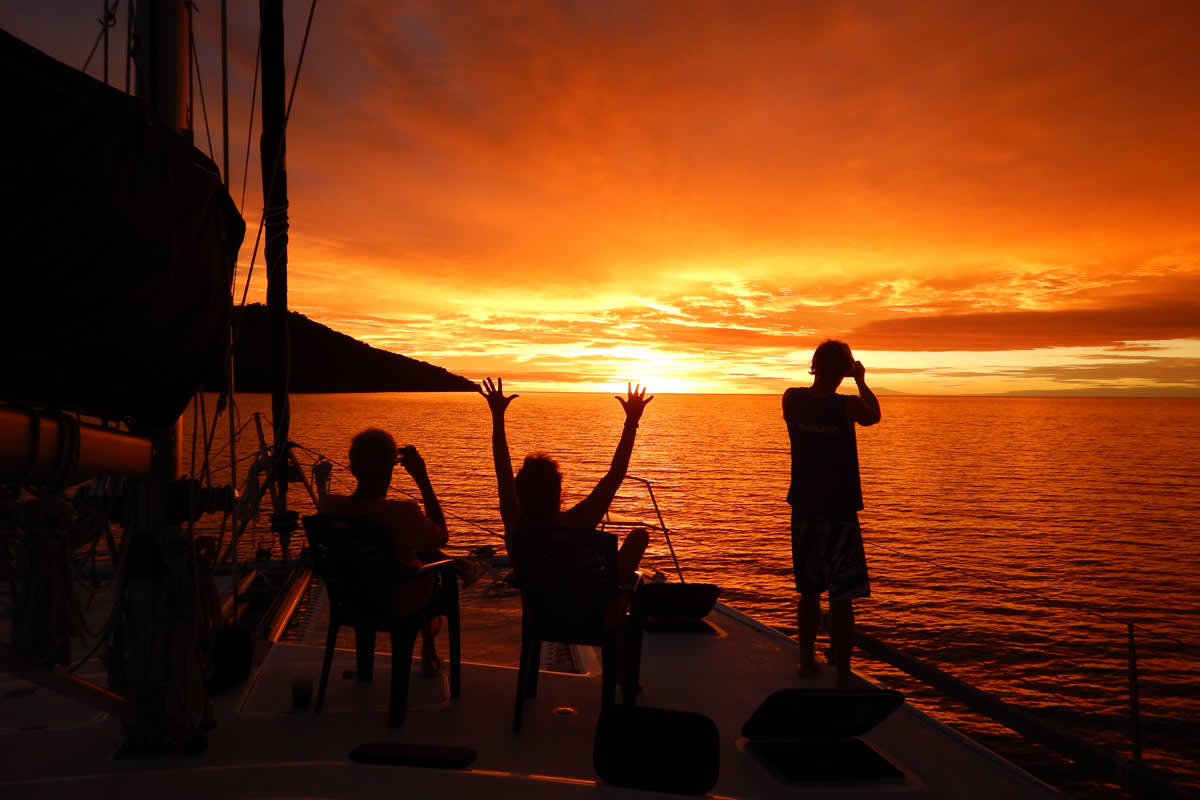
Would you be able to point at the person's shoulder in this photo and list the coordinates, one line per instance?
(793, 394)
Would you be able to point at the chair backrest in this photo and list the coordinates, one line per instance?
(356, 559)
(568, 577)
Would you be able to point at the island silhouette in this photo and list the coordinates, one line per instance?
(325, 361)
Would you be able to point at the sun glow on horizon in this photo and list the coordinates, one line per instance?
(484, 188)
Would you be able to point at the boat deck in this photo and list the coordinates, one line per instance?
(265, 745)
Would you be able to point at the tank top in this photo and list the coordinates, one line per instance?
(825, 478)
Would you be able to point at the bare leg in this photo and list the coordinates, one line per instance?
(808, 616)
(841, 634)
(430, 663)
(630, 554)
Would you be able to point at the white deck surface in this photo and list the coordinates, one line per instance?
(263, 747)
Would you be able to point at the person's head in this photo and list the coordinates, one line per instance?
(372, 456)
(539, 488)
(832, 360)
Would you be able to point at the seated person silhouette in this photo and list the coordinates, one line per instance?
(373, 455)
(532, 500)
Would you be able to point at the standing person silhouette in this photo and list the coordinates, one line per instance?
(533, 498)
(826, 496)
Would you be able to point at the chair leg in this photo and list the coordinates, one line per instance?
(608, 673)
(364, 650)
(525, 663)
(520, 701)
(633, 660)
(330, 644)
(535, 668)
(403, 642)
(454, 619)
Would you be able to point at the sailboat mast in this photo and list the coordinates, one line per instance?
(273, 150)
(162, 58)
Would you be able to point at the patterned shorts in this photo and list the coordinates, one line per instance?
(828, 556)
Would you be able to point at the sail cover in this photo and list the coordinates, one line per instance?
(118, 242)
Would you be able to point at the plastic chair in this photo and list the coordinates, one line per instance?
(356, 560)
(569, 584)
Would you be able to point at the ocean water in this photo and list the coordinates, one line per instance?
(1011, 541)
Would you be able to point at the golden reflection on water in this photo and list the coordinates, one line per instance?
(1010, 540)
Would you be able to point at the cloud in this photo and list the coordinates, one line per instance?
(1032, 329)
(571, 189)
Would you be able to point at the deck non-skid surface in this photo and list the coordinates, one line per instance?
(265, 745)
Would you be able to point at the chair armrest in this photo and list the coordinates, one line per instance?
(634, 584)
(432, 566)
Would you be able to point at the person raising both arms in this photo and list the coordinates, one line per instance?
(533, 499)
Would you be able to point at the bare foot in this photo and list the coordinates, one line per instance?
(431, 664)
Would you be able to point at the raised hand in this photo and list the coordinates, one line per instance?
(635, 403)
(494, 394)
(858, 372)
(411, 460)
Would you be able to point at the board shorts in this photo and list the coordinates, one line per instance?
(828, 556)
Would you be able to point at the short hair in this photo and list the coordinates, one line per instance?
(832, 358)
(372, 454)
(539, 488)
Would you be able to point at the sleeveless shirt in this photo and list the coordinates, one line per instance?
(825, 478)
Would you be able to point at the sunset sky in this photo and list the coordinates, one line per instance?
(978, 197)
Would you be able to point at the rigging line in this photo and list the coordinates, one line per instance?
(107, 21)
(287, 116)
(195, 60)
(1044, 595)
(128, 43)
(406, 492)
(250, 131)
(1186, 645)
(211, 434)
(974, 575)
(206, 474)
(269, 188)
(237, 433)
(1043, 693)
(188, 6)
(225, 94)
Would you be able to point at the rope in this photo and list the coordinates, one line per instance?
(287, 116)
(195, 60)
(1072, 703)
(407, 493)
(224, 94)
(250, 132)
(107, 21)
(1060, 597)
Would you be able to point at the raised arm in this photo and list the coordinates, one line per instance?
(498, 404)
(866, 411)
(591, 510)
(414, 464)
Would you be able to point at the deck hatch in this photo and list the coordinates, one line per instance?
(813, 734)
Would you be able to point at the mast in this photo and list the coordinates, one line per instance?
(156, 657)
(273, 150)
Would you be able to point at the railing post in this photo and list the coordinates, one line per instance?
(1134, 711)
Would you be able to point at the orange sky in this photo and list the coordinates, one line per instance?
(977, 197)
